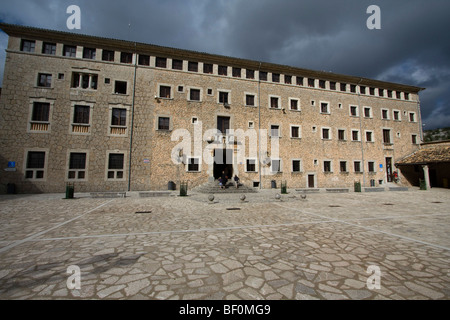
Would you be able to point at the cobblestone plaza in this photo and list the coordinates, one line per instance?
(190, 248)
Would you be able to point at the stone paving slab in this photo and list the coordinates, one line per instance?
(191, 249)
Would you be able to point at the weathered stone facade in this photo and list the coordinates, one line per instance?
(64, 112)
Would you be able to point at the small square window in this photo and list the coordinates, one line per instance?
(70, 51)
(120, 87)
(49, 48)
(126, 57)
(193, 66)
(251, 165)
(144, 60)
(108, 55)
(194, 165)
(324, 108)
(296, 166)
(89, 53)
(237, 72)
(44, 80)
(177, 64)
(207, 68)
(161, 62)
(28, 46)
(327, 166)
(250, 100)
(250, 74)
(164, 123)
(194, 95)
(223, 70)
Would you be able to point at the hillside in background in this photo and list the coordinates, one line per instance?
(437, 135)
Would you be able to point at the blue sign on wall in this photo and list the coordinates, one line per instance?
(11, 164)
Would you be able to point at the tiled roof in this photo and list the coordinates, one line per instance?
(433, 154)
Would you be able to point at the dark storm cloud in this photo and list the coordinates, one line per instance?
(412, 46)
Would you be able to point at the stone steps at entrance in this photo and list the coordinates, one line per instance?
(213, 187)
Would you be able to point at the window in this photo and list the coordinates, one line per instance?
(322, 84)
(276, 77)
(414, 139)
(354, 111)
(81, 115)
(177, 64)
(300, 81)
(362, 89)
(369, 136)
(223, 97)
(119, 117)
(250, 74)
(209, 92)
(84, 81)
(40, 117)
(263, 75)
(353, 88)
(49, 48)
(165, 92)
(386, 136)
(294, 104)
(389, 93)
(223, 70)
(77, 166)
(381, 92)
(161, 62)
(144, 60)
(324, 108)
(274, 102)
(295, 132)
(207, 68)
(237, 72)
(35, 167)
(194, 95)
(372, 91)
(396, 115)
(311, 83)
(164, 123)
(193, 66)
(355, 135)
(251, 125)
(108, 55)
(41, 112)
(89, 53)
(398, 94)
(327, 166)
(287, 79)
(250, 100)
(120, 87)
(406, 96)
(343, 166)
(251, 165)
(296, 166)
(194, 165)
(371, 166)
(28, 46)
(367, 112)
(412, 117)
(116, 166)
(333, 85)
(275, 166)
(70, 51)
(274, 130)
(357, 166)
(44, 80)
(341, 135)
(126, 57)
(326, 134)
(384, 114)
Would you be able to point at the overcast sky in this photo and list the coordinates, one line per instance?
(412, 47)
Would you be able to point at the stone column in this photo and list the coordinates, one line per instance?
(427, 176)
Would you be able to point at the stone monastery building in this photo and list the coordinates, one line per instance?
(113, 115)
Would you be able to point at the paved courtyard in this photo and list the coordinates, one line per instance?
(321, 247)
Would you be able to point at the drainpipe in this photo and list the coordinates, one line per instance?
(259, 127)
(132, 117)
(361, 132)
